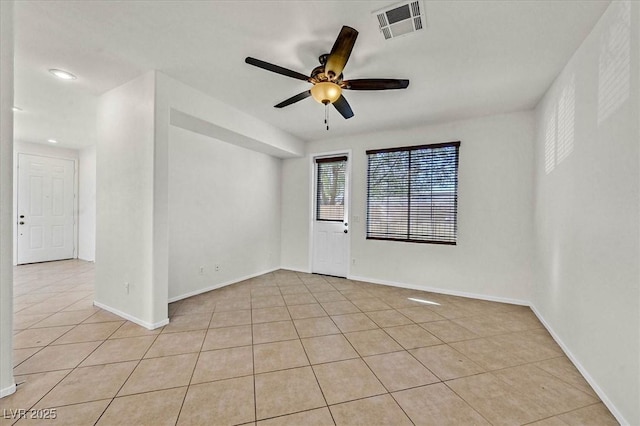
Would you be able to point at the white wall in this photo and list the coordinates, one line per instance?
(587, 209)
(212, 117)
(133, 223)
(45, 151)
(224, 209)
(87, 205)
(493, 256)
(124, 202)
(296, 213)
(7, 383)
(199, 117)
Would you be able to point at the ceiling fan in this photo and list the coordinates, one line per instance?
(327, 78)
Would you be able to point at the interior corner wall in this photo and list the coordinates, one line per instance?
(492, 258)
(587, 209)
(124, 200)
(7, 382)
(224, 209)
(222, 206)
(87, 205)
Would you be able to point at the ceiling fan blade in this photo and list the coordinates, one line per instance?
(294, 99)
(340, 52)
(275, 68)
(343, 107)
(376, 84)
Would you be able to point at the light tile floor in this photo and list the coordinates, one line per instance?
(288, 348)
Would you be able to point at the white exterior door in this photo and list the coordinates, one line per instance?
(46, 209)
(330, 213)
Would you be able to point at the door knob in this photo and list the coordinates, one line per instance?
(21, 216)
(346, 231)
(21, 222)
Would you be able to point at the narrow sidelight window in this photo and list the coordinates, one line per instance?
(330, 188)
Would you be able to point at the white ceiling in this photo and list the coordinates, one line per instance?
(473, 58)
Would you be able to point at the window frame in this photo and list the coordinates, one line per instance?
(409, 149)
(317, 162)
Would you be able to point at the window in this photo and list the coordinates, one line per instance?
(330, 181)
(412, 193)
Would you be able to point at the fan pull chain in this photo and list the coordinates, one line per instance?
(326, 114)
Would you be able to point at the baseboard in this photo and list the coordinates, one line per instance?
(441, 290)
(145, 324)
(8, 391)
(291, 268)
(219, 285)
(601, 394)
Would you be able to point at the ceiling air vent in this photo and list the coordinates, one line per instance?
(400, 19)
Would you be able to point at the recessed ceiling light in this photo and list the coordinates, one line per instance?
(52, 141)
(16, 109)
(64, 75)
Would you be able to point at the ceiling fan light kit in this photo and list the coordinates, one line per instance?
(326, 92)
(327, 79)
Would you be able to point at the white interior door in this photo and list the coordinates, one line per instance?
(330, 226)
(45, 209)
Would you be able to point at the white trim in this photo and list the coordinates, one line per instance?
(312, 192)
(8, 391)
(294, 269)
(441, 291)
(597, 389)
(347, 213)
(145, 324)
(216, 286)
(76, 207)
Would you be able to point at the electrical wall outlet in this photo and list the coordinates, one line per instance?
(201, 270)
(126, 287)
(217, 268)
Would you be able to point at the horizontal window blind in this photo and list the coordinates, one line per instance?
(330, 181)
(412, 193)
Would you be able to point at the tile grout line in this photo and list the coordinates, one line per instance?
(253, 363)
(65, 376)
(66, 344)
(465, 401)
(195, 365)
(360, 357)
(402, 350)
(312, 370)
(128, 377)
(389, 392)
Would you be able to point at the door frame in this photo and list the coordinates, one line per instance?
(312, 202)
(76, 201)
